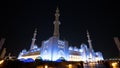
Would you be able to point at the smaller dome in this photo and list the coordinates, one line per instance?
(70, 48)
(80, 50)
(24, 50)
(35, 46)
(83, 46)
(76, 49)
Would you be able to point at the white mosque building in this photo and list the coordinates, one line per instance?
(54, 48)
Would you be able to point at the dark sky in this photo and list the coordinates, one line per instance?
(19, 18)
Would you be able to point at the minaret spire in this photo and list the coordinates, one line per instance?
(56, 23)
(91, 56)
(89, 41)
(33, 39)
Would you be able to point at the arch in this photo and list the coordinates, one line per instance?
(61, 53)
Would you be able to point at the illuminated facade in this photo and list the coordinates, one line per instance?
(54, 48)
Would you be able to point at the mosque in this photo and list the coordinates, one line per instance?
(54, 48)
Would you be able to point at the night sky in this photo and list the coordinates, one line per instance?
(100, 17)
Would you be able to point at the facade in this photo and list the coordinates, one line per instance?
(55, 49)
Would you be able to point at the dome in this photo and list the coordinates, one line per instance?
(83, 46)
(80, 50)
(24, 50)
(35, 46)
(70, 48)
(76, 49)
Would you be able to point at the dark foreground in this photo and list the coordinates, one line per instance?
(63, 64)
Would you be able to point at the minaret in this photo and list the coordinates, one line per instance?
(117, 42)
(33, 39)
(91, 56)
(89, 41)
(2, 43)
(3, 53)
(56, 24)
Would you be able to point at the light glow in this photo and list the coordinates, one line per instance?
(70, 66)
(61, 42)
(26, 57)
(46, 66)
(75, 58)
(1, 61)
(114, 64)
(97, 59)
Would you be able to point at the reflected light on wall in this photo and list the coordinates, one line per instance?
(97, 59)
(74, 58)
